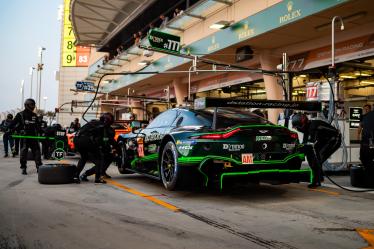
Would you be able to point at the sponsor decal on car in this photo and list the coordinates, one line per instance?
(185, 147)
(186, 142)
(233, 147)
(263, 138)
(154, 137)
(247, 158)
(289, 146)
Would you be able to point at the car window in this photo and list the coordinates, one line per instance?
(188, 118)
(164, 119)
(227, 117)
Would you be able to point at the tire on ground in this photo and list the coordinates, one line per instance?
(179, 177)
(56, 173)
(357, 176)
(124, 164)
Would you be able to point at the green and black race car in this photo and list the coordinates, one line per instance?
(214, 145)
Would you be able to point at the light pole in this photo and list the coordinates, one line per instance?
(333, 38)
(40, 69)
(31, 73)
(45, 102)
(22, 92)
(332, 67)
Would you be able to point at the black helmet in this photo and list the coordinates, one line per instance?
(299, 121)
(30, 104)
(107, 118)
(9, 116)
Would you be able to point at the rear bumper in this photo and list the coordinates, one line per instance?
(276, 171)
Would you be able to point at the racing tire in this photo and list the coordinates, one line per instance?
(357, 174)
(56, 173)
(124, 164)
(170, 171)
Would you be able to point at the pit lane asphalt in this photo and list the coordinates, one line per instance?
(125, 215)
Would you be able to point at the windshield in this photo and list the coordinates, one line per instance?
(228, 117)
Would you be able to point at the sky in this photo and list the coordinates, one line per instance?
(26, 25)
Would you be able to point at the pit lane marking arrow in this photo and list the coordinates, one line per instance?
(368, 235)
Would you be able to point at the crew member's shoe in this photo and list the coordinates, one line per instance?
(105, 175)
(314, 185)
(24, 172)
(6, 155)
(100, 180)
(76, 180)
(83, 178)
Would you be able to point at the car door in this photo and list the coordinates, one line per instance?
(153, 135)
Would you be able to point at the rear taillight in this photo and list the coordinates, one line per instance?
(218, 135)
(294, 135)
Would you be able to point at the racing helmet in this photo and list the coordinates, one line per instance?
(299, 121)
(107, 118)
(30, 104)
(9, 116)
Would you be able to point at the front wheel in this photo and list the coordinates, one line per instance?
(169, 168)
(124, 164)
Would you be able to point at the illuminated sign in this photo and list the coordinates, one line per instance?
(72, 56)
(164, 41)
(355, 114)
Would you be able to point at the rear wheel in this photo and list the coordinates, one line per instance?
(124, 164)
(170, 170)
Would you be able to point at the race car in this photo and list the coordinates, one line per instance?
(214, 145)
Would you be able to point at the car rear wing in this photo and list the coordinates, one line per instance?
(311, 106)
(202, 103)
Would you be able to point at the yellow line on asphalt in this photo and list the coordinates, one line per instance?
(324, 191)
(368, 235)
(317, 190)
(145, 196)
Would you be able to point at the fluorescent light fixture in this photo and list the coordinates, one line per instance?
(348, 77)
(260, 91)
(302, 76)
(220, 25)
(362, 74)
(144, 63)
(368, 82)
(243, 87)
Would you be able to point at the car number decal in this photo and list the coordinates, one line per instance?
(247, 158)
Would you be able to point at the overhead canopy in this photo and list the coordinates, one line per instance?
(97, 21)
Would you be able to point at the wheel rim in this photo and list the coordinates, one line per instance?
(168, 165)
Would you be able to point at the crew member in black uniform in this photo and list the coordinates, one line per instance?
(7, 137)
(367, 140)
(320, 141)
(94, 142)
(27, 123)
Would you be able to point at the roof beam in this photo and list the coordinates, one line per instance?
(97, 13)
(171, 27)
(93, 18)
(95, 25)
(195, 16)
(223, 1)
(116, 8)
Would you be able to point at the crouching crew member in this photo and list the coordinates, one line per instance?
(320, 141)
(94, 142)
(27, 123)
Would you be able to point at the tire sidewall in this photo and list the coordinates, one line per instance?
(123, 165)
(173, 183)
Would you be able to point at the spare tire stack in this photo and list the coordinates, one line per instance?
(56, 173)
